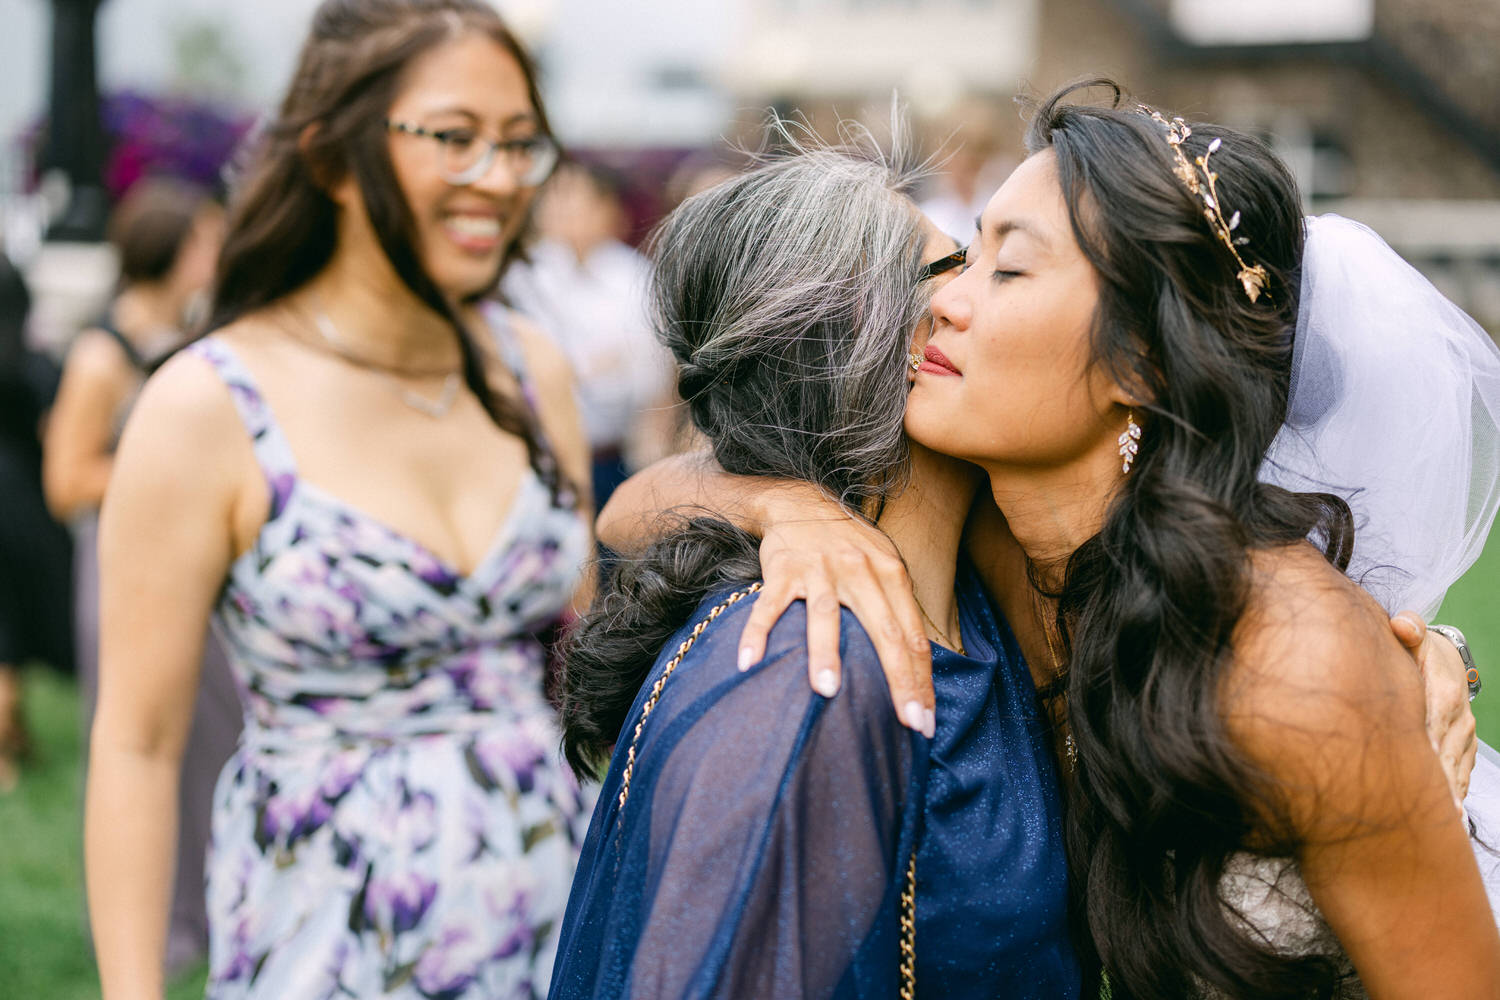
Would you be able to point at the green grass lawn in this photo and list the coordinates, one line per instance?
(1471, 605)
(44, 951)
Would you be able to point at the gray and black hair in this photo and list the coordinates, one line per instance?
(788, 296)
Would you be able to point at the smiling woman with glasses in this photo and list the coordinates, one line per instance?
(375, 482)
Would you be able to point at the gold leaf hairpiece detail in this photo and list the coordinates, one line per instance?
(1203, 183)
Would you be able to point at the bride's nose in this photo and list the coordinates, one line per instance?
(950, 306)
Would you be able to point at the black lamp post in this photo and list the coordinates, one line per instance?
(75, 142)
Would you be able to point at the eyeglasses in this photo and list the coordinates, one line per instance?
(943, 264)
(464, 156)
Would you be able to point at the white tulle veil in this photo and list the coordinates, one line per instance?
(1395, 406)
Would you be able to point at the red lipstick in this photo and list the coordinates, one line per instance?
(935, 362)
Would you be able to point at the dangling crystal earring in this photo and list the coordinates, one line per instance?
(1130, 442)
(916, 361)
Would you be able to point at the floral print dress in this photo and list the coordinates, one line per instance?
(397, 820)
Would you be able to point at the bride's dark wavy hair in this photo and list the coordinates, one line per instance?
(1149, 605)
(283, 227)
(788, 296)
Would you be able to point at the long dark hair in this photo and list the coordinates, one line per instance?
(788, 296)
(282, 225)
(1149, 606)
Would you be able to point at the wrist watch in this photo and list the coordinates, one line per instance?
(1471, 672)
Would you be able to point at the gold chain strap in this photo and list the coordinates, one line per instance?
(909, 931)
(908, 893)
(661, 682)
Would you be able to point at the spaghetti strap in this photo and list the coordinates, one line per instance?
(136, 359)
(504, 335)
(271, 449)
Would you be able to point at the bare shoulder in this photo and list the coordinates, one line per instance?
(260, 341)
(551, 375)
(94, 355)
(546, 363)
(1299, 607)
(1317, 672)
(187, 406)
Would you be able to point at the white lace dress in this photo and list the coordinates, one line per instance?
(1274, 901)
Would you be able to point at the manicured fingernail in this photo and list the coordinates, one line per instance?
(913, 716)
(747, 658)
(826, 683)
(929, 723)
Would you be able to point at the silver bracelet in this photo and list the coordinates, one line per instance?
(1471, 672)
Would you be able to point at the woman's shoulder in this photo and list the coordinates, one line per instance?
(97, 355)
(1317, 672)
(1305, 618)
(544, 361)
(188, 401)
(186, 389)
(781, 677)
(763, 728)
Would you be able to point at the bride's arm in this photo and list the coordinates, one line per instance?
(812, 549)
(1325, 703)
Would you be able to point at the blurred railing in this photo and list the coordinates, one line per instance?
(1444, 57)
(1440, 55)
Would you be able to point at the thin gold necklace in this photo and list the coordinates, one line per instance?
(434, 408)
(1070, 748)
(958, 646)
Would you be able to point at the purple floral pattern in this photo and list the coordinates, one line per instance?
(397, 821)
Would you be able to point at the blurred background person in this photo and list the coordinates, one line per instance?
(373, 481)
(34, 551)
(587, 288)
(974, 161)
(167, 235)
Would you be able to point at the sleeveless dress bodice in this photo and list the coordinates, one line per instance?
(396, 820)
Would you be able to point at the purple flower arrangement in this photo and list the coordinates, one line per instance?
(178, 136)
(172, 136)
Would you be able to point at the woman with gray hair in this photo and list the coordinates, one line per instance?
(753, 837)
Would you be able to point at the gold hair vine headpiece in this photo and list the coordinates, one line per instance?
(1204, 187)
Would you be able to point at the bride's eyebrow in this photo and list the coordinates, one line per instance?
(1006, 227)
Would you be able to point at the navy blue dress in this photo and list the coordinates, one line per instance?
(762, 848)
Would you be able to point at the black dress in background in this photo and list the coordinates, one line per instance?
(36, 591)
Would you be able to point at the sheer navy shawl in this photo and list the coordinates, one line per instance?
(762, 848)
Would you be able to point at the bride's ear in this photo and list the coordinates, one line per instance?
(1132, 389)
